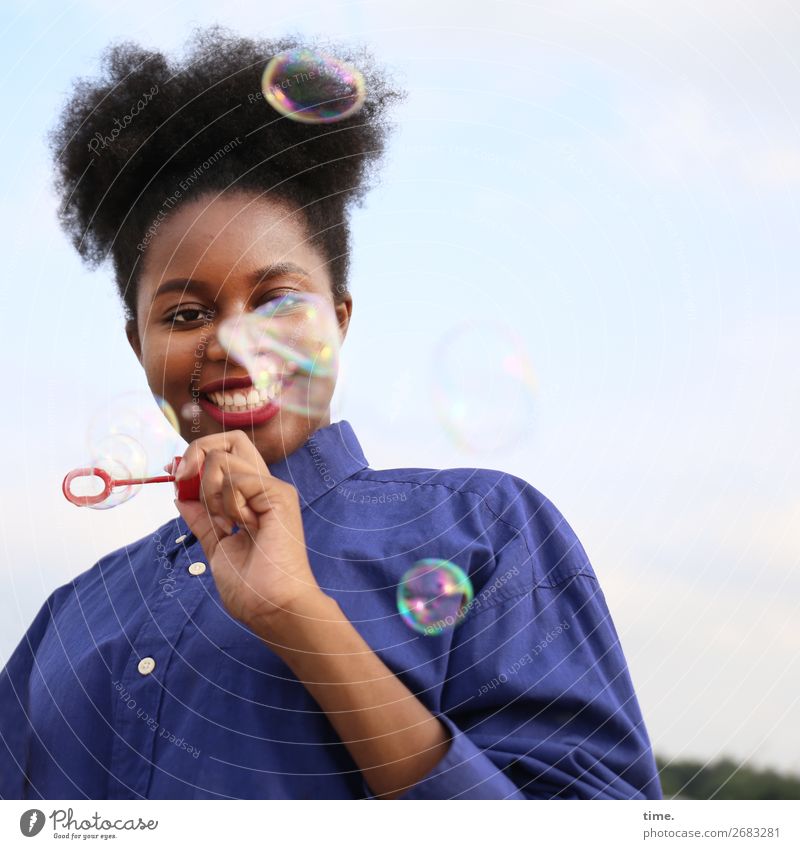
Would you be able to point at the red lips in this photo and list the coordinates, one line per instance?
(237, 420)
(226, 383)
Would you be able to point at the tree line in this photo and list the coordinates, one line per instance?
(724, 779)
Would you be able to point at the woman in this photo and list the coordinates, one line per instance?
(251, 646)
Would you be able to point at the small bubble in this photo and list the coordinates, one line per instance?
(311, 87)
(433, 596)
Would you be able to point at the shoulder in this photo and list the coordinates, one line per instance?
(509, 498)
(482, 483)
(523, 523)
(112, 573)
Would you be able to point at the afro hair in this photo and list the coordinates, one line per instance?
(151, 132)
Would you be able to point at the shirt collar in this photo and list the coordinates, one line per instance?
(329, 457)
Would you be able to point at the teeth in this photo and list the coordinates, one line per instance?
(239, 402)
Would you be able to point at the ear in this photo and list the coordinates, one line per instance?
(132, 332)
(344, 309)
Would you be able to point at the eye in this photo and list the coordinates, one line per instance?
(190, 315)
(280, 302)
(276, 295)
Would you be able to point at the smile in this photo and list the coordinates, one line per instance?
(244, 401)
(235, 402)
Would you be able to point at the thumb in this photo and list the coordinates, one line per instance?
(196, 516)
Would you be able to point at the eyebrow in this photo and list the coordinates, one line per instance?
(261, 275)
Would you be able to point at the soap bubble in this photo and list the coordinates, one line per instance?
(168, 412)
(290, 347)
(484, 386)
(123, 458)
(434, 596)
(129, 439)
(311, 87)
(191, 411)
(147, 422)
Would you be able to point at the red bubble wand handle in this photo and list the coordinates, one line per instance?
(187, 490)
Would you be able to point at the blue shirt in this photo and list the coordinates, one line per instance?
(134, 682)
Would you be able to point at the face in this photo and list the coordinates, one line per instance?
(213, 259)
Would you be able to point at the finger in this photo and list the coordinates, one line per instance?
(201, 524)
(234, 442)
(217, 466)
(235, 505)
(265, 494)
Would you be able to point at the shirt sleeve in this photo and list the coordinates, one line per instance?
(538, 699)
(15, 728)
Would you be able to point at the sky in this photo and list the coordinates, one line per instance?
(613, 184)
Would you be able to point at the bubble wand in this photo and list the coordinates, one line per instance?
(187, 490)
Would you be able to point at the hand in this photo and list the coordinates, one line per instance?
(262, 569)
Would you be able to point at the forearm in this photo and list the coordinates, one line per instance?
(393, 738)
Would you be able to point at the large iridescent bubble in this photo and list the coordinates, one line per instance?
(484, 387)
(434, 596)
(311, 87)
(289, 346)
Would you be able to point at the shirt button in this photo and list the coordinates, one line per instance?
(146, 665)
(181, 538)
(197, 568)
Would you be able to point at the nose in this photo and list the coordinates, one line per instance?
(214, 351)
